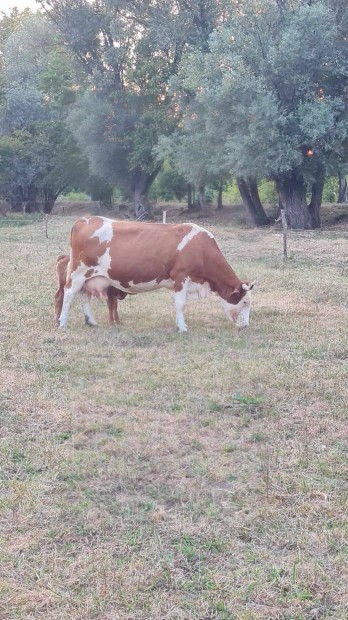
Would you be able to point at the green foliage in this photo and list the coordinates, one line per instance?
(73, 196)
(330, 193)
(169, 184)
(39, 155)
(267, 99)
(266, 189)
(118, 120)
(213, 91)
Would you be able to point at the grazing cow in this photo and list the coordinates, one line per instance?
(136, 257)
(112, 294)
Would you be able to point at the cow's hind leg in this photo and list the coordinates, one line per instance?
(112, 305)
(85, 299)
(71, 289)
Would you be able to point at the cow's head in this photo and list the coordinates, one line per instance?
(238, 303)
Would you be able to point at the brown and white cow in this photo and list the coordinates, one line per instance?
(112, 294)
(136, 257)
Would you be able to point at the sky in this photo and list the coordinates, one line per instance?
(7, 5)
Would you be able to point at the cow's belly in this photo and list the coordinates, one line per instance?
(144, 287)
(98, 284)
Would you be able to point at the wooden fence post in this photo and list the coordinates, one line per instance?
(285, 234)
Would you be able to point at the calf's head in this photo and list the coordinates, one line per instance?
(237, 304)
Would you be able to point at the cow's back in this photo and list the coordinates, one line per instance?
(130, 251)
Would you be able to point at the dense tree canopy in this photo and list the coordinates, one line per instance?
(39, 155)
(251, 89)
(129, 51)
(270, 100)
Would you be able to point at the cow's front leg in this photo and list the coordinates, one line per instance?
(85, 299)
(180, 300)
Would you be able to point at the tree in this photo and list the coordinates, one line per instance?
(129, 51)
(39, 155)
(274, 93)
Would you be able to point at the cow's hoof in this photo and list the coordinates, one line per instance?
(90, 323)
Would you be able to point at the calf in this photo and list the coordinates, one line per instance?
(112, 294)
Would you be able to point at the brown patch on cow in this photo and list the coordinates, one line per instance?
(236, 295)
(89, 273)
(156, 251)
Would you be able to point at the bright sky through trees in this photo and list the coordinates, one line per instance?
(7, 5)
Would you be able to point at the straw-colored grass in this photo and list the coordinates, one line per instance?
(151, 475)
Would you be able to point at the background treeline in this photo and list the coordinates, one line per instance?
(170, 98)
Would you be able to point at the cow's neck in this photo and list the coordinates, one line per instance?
(221, 277)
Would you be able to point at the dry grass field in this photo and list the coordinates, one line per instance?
(151, 475)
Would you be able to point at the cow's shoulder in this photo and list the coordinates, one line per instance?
(193, 234)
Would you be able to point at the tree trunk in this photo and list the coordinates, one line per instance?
(263, 219)
(202, 200)
(24, 199)
(342, 188)
(251, 200)
(315, 203)
(292, 194)
(219, 196)
(142, 182)
(189, 196)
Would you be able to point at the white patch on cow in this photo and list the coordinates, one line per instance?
(195, 230)
(103, 264)
(198, 291)
(239, 313)
(105, 232)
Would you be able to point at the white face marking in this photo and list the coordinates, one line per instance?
(195, 230)
(105, 232)
(239, 313)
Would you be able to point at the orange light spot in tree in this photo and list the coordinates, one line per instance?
(309, 153)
